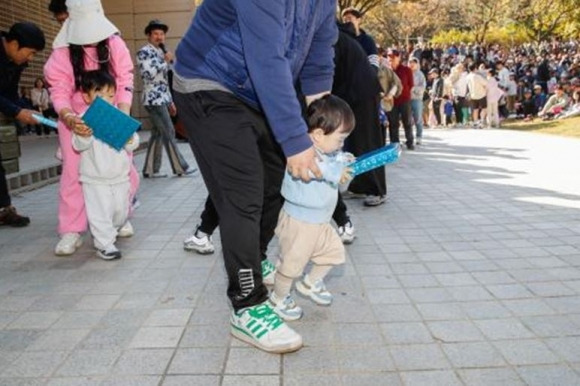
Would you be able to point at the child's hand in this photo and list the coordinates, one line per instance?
(130, 141)
(346, 176)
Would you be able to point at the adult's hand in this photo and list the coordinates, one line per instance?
(172, 109)
(169, 57)
(77, 125)
(299, 165)
(26, 116)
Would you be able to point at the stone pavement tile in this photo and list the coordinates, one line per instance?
(473, 355)
(198, 361)
(495, 329)
(157, 337)
(531, 275)
(526, 352)
(547, 262)
(58, 340)
(465, 256)
(108, 338)
(514, 265)
(6, 318)
(88, 363)
(133, 301)
(34, 364)
(78, 319)
(551, 326)
(364, 359)
(316, 380)
(409, 268)
(488, 377)
(191, 380)
(564, 305)
(55, 302)
(369, 379)
(387, 296)
(550, 289)
(248, 360)
(210, 335)
(494, 277)
(428, 295)
(123, 318)
(357, 334)
(31, 320)
(469, 294)
(548, 375)
(372, 282)
(509, 291)
(528, 307)
(434, 256)
(17, 340)
(373, 270)
(132, 381)
(251, 380)
(441, 311)
(24, 381)
(486, 310)
(567, 273)
(567, 348)
(419, 357)
(396, 313)
(97, 302)
(444, 267)
(405, 333)
(417, 281)
(430, 378)
(143, 362)
(455, 331)
(211, 315)
(311, 360)
(169, 317)
(455, 279)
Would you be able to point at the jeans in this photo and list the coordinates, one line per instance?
(417, 111)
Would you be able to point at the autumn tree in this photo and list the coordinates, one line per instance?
(542, 18)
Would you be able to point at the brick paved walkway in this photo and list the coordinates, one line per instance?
(470, 274)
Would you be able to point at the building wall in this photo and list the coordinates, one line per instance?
(130, 16)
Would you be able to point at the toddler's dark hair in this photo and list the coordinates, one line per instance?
(96, 81)
(329, 113)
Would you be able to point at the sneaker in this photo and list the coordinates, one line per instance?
(411, 147)
(418, 142)
(261, 327)
(110, 253)
(268, 272)
(187, 172)
(286, 308)
(374, 200)
(154, 175)
(68, 244)
(348, 195)
(126, 230)
(199, 242)
(346, 233)
(315, 291)
(9, 216)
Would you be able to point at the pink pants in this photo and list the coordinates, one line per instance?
(72, 217)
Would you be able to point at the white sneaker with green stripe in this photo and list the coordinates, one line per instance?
(261, 327)
(268, 272)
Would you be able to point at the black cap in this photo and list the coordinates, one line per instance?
(156, 24)
(352, 11)
(28, 35)
(393, 52)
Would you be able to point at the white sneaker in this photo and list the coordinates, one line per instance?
(286, 308)
(261, 327)
(374, 200)
(199, 242)
(418, 141)
(268, 272)
(315, 291)
(110, 253)
(126, 230)
(68, 244)
(346, 233)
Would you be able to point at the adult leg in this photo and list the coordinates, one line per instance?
(160, 115)
(417, 111)
(209, 217)
(153, 157)
(406, 118)
(394, 118)
(225, 136)
(437, 111)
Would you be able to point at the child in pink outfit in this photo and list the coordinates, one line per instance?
(84, 33)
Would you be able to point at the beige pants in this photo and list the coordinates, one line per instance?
(301, 242)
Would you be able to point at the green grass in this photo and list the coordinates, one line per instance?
(566, 127)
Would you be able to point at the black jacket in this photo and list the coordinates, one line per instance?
(9, 78)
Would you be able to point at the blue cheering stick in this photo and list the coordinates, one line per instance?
(45, 121)
(375, 159)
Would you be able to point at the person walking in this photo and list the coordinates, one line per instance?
(153, 60)
(17, 47)
(417, 93)
(402, 104)
(234, 82)
(87, 41)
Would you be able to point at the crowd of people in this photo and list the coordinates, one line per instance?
(276, 103)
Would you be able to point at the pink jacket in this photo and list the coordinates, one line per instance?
(494, 93)
(58, 72)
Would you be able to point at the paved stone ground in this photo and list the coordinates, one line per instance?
(470, 274)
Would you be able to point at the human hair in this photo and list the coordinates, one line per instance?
(97, 80)
(39, 79)
(57, 6)
(77, 59)
(352, 11)
(472, 67)
(28, 35)
(329, 113)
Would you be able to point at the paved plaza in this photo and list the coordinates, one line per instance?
(469, 275)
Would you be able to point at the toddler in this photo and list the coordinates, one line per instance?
(448, 110)
(304, 229)
(104, 173)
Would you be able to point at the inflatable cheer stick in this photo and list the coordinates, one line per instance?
(45, 121)
(376, 158)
